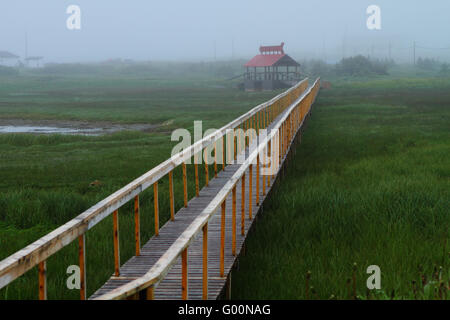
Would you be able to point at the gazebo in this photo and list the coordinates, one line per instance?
(271, 69)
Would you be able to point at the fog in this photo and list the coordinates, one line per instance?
(204, 30)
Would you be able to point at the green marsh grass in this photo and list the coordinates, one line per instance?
(45, 179)
(369, 183)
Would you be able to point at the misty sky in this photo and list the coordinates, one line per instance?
(187, 30)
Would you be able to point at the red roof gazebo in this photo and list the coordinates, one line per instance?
(271, 69)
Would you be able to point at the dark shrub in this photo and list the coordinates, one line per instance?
(361, 66)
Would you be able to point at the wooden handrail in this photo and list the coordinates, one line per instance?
(39, 251)
(169, 258)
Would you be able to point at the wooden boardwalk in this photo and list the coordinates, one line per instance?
(170, 287)
(193, 255)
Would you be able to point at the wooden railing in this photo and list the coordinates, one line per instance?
(39, 251)
(274, 146)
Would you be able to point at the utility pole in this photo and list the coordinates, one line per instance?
(414, 52)
(343, 48)
(324, 53)
(232, 49)
(26, 48)
(390, 51)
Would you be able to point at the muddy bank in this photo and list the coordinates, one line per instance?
(69, 127)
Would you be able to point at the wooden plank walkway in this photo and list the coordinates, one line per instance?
(156, 273)
(170, 287)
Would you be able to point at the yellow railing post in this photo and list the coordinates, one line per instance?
(264, 175)
(150, 293)
(233, 221)
(223, 153)
(171, 198)
(269, 151)
(243, 206)
(116, 243)
(184, 274)
(215, 159)
(185, 186)
(42, 270)
(205, 262)
(222, 240)
(156, 206)
(234, 144)
(197, 187)
(250, 192)
(206, 173)
(137, 227)
(257, 180)
(82, 260)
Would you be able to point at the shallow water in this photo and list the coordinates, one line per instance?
(49, 130)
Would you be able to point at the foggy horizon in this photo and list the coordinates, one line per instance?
(207, 30)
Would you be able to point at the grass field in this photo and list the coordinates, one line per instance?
(369, 184)
(45, 179)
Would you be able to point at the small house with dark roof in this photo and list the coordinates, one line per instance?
(8, 56)
(271, 69)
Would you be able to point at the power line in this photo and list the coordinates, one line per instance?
(429, 48)
(403, 48)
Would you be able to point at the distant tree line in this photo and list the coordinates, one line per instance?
(362, 66)
(427, 64)
(433, 65)
(359, 66)
(221, 69)
(356, 66)
(353, 66)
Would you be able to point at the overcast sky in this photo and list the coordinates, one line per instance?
(188, 30)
